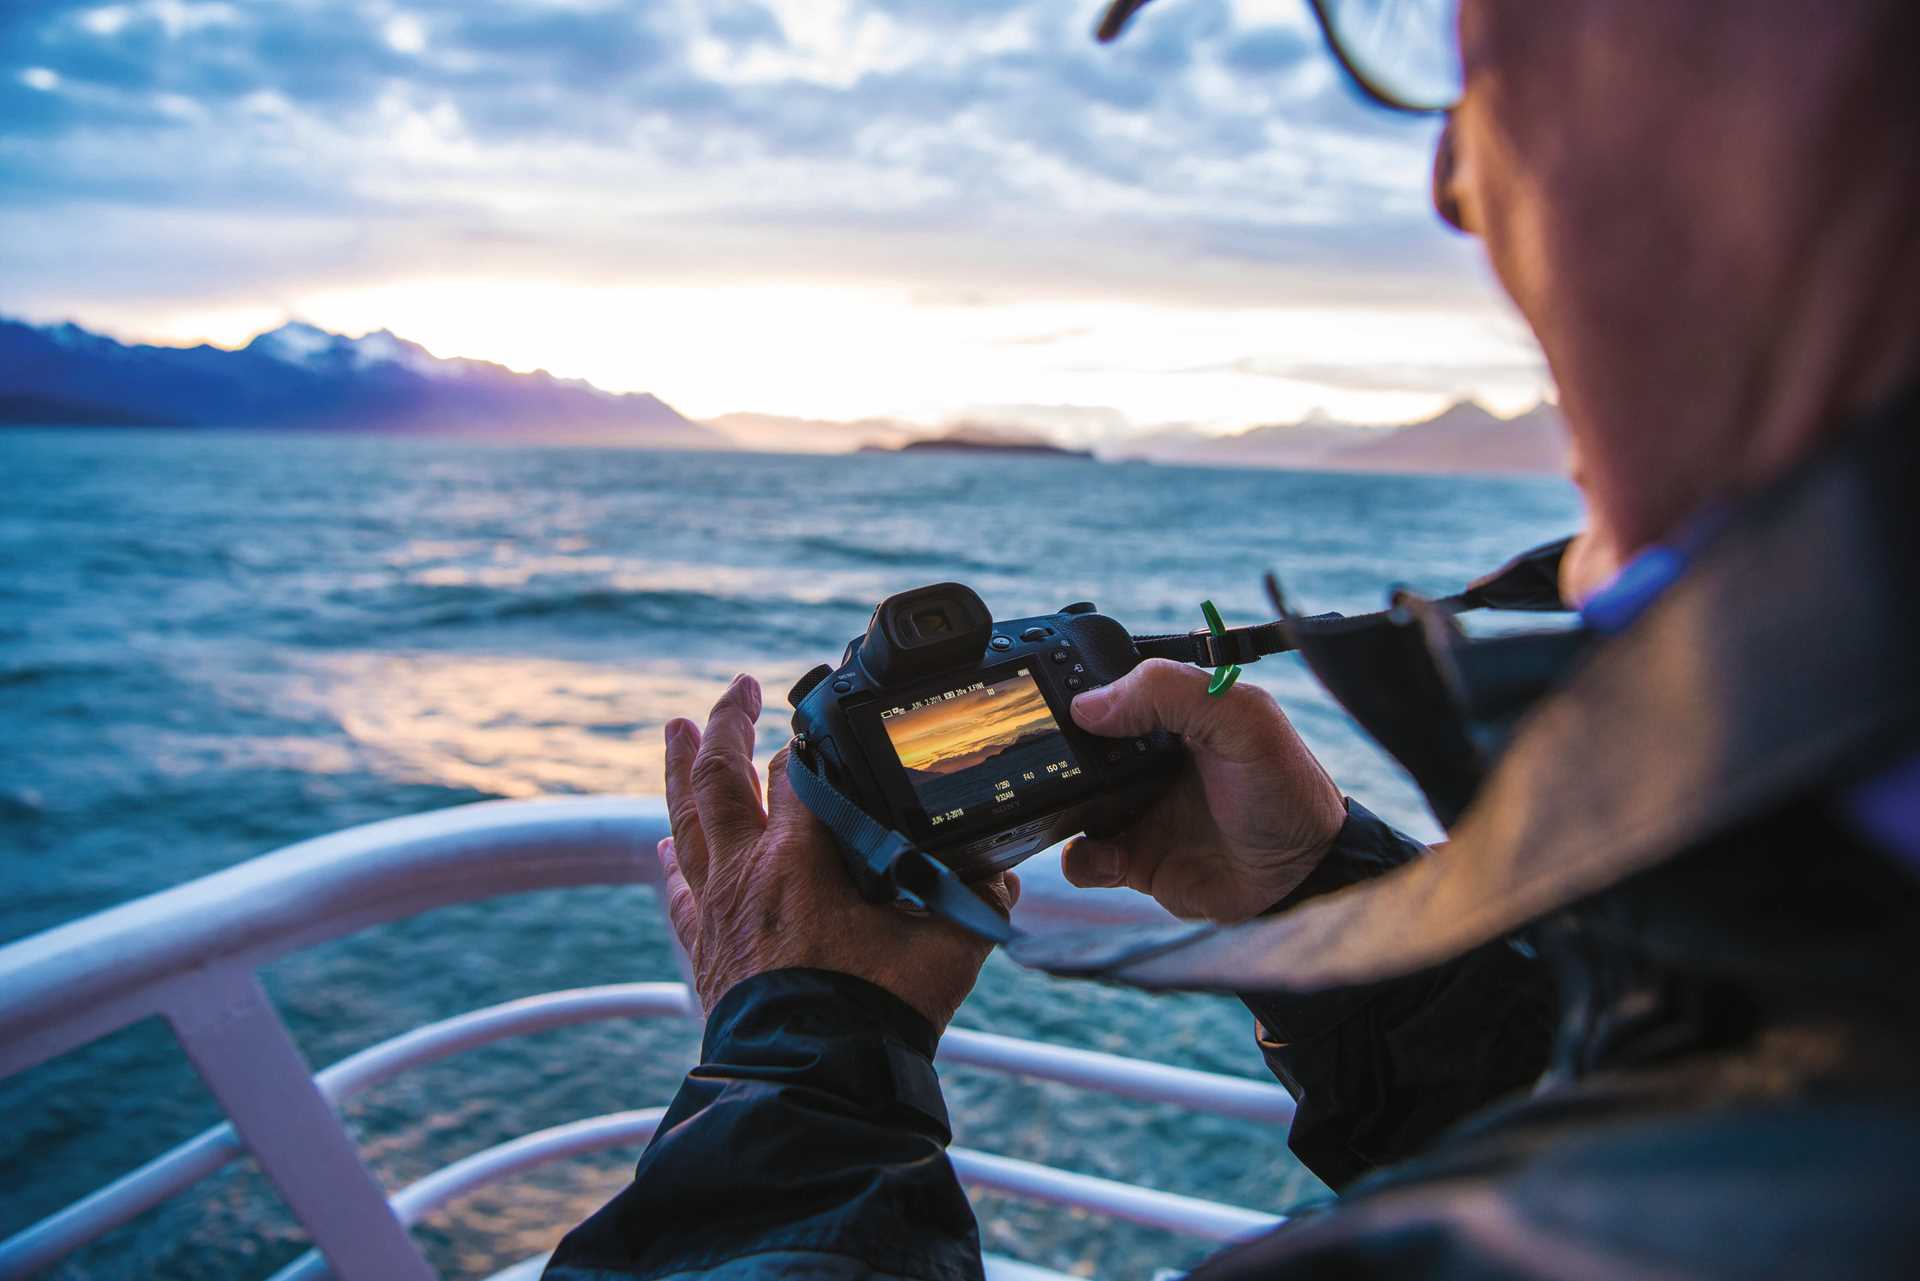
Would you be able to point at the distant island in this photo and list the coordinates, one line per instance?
(299, 376)
(1465, 438)
(973, 438)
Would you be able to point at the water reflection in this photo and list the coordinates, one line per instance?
(513, 726)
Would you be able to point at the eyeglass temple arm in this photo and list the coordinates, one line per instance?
(1118, 14)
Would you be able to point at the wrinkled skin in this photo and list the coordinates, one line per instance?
(752, 888)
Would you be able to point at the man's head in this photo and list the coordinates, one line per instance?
(1707, 211)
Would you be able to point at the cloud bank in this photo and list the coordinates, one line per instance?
(176, 168)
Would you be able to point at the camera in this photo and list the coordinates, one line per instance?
(952, 729)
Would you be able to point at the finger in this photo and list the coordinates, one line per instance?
(787, 815)
(726, 788)
(1094, 864)
(998, 892)
(1012, 880)
(1161, 694)
(690, 842)
(682, 907)
(1129, 862)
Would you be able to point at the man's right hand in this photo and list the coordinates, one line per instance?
(1251, 814)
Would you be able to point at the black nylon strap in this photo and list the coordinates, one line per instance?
(1530, 581)
(886, 865)
(1239, 645)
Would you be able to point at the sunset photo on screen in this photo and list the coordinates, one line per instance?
(975, 746)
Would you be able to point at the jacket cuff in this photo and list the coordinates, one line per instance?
(835, 1031)
(1366, 847)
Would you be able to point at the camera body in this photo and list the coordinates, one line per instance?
(953, 729)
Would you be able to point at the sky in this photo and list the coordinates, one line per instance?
(925, 209)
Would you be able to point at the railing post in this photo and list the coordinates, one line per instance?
(241, 1049)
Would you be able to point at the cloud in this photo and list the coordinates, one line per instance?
(1394, 376)
(692, 95)
(181, 151)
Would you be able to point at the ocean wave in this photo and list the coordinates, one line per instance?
(13, 675)
(654, 607)
(941, 561)
(494, 616)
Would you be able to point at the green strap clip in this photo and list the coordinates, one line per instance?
(1223, 677)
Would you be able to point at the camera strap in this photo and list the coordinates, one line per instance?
(1529, 582)
(887, 865)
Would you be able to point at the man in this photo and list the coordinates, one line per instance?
(1650, 1012)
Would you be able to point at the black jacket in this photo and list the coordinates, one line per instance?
(1683, 1129)
(1689, 1046)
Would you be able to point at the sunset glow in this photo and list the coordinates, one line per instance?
(816, 208)
(956, 734)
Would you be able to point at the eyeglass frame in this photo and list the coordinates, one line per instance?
(1373, 92)
(1120, 12)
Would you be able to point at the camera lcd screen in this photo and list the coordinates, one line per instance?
(983, 748)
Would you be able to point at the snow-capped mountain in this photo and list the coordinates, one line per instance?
(302, 376)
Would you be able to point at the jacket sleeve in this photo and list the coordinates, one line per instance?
(1379, 1070)
(809, 1143)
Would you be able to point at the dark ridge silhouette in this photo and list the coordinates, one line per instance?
(299, 376)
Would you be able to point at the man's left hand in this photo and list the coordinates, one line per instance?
(751, 889)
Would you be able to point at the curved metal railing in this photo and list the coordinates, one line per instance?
(190, 954)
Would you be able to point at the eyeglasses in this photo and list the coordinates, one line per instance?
(1403, 54)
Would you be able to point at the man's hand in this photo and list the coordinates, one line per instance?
(1250, 816)
(752, 889)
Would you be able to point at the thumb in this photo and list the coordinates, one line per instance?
(1161, 694)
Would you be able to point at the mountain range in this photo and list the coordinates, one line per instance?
(300, 376)
(961, 762)
(304, 377)
(1466, 437)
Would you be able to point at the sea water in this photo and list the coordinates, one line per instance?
(212, 645)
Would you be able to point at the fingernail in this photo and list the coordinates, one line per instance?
(1101, 864)
(664, 852)
(677, 731)
(1092, 705)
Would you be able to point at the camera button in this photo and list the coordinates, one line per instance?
(1061, 656)
(1036, 633)
(1001, 642)
(843, 686)
(1113, 756)
(1074, 682)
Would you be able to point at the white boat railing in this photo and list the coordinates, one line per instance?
(191, 955)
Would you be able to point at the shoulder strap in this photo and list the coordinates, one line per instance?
(1530, 581)
(1237, 645)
